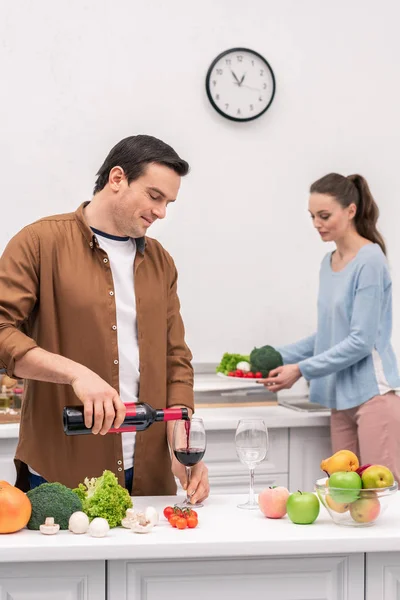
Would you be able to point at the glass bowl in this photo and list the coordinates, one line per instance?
(354, 508)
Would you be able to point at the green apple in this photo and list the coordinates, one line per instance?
(301, 508)
(344, 486)
(377, 476)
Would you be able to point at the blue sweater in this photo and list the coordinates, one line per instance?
(350, 358)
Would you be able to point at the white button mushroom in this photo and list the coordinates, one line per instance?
(138, 528)
(78, 522)
(151, 515)
(129, 519)
(49, 527)
(99, 527)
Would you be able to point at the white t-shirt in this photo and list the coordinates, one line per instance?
(121, 253)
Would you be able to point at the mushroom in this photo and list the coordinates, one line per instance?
(49, 527)
(138, 528)
(99, 527)
(145, 521)
(151, 515)
(78, 522)
(129, 519)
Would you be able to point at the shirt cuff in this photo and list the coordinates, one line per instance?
(13, 348)
(180, 393)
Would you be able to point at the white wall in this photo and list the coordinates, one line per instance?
(77, 76)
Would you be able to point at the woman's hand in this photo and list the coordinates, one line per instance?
(282, 378)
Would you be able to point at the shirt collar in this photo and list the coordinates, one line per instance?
(90, 236)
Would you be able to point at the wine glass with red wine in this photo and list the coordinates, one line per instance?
(189, 448)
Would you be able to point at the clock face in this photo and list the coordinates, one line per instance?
(240, 84)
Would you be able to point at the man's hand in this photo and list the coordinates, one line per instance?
(282, 378)
(100, 401)
(98, 398)
(199, 487)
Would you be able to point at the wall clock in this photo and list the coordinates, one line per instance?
(240, 84)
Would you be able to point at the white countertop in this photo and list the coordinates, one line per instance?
(223, 531)
(274, 417)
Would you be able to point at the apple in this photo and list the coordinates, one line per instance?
(339, 507)
(361, 469)
(302, 508)
(365, 509)
(377, 476)
(272, 502)
(344, 486)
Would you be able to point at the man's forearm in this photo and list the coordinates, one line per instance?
(40, 365)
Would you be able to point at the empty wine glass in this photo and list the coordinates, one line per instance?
(251, 442)
(189, 446)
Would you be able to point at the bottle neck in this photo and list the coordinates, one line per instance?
(172, 414)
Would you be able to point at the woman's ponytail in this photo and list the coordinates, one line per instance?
(367, 212)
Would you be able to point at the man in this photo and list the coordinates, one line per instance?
(89, 312)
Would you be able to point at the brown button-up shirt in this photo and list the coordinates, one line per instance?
(56, 292)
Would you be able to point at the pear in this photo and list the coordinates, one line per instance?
(344, 460)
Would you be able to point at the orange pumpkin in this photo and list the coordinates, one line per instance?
(15, 508)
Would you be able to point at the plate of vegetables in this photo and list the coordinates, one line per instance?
(256, 365)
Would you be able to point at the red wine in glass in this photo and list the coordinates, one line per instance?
(189, 456)
(189, 446)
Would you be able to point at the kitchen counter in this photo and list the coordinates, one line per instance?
(224, 530)
(232, 552)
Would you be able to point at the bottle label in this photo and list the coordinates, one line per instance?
(123, 429)
(130, 412)
(172, 414)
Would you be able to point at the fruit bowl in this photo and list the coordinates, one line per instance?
(352, 507)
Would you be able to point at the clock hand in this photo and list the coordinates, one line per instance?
(237, 80)
(242, 79)
(251, 88)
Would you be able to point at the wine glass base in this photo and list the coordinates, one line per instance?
(187, 504)
(249, 505)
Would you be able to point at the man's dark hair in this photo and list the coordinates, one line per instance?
(134, 153)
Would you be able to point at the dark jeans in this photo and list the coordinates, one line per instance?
(35, 480)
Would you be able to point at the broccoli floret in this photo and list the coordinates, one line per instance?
(52, 500)
(104, 497)
(265, 359)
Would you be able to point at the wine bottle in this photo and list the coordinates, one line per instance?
(139, 416)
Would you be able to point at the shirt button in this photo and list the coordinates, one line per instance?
(115, 362)
(114, 327)
(105, 260)
(111, 293)
(119, 462)
(119, 468)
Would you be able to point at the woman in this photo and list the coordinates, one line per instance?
(349, 360)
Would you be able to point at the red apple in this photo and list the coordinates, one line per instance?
(366, 509)
(361, 469)
(272, 502)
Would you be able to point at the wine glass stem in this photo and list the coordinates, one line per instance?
(188, 473)
(251, 491)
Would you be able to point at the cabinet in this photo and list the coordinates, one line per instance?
(382, 580)
(293, 578)
(307, 447)
(53, 581)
